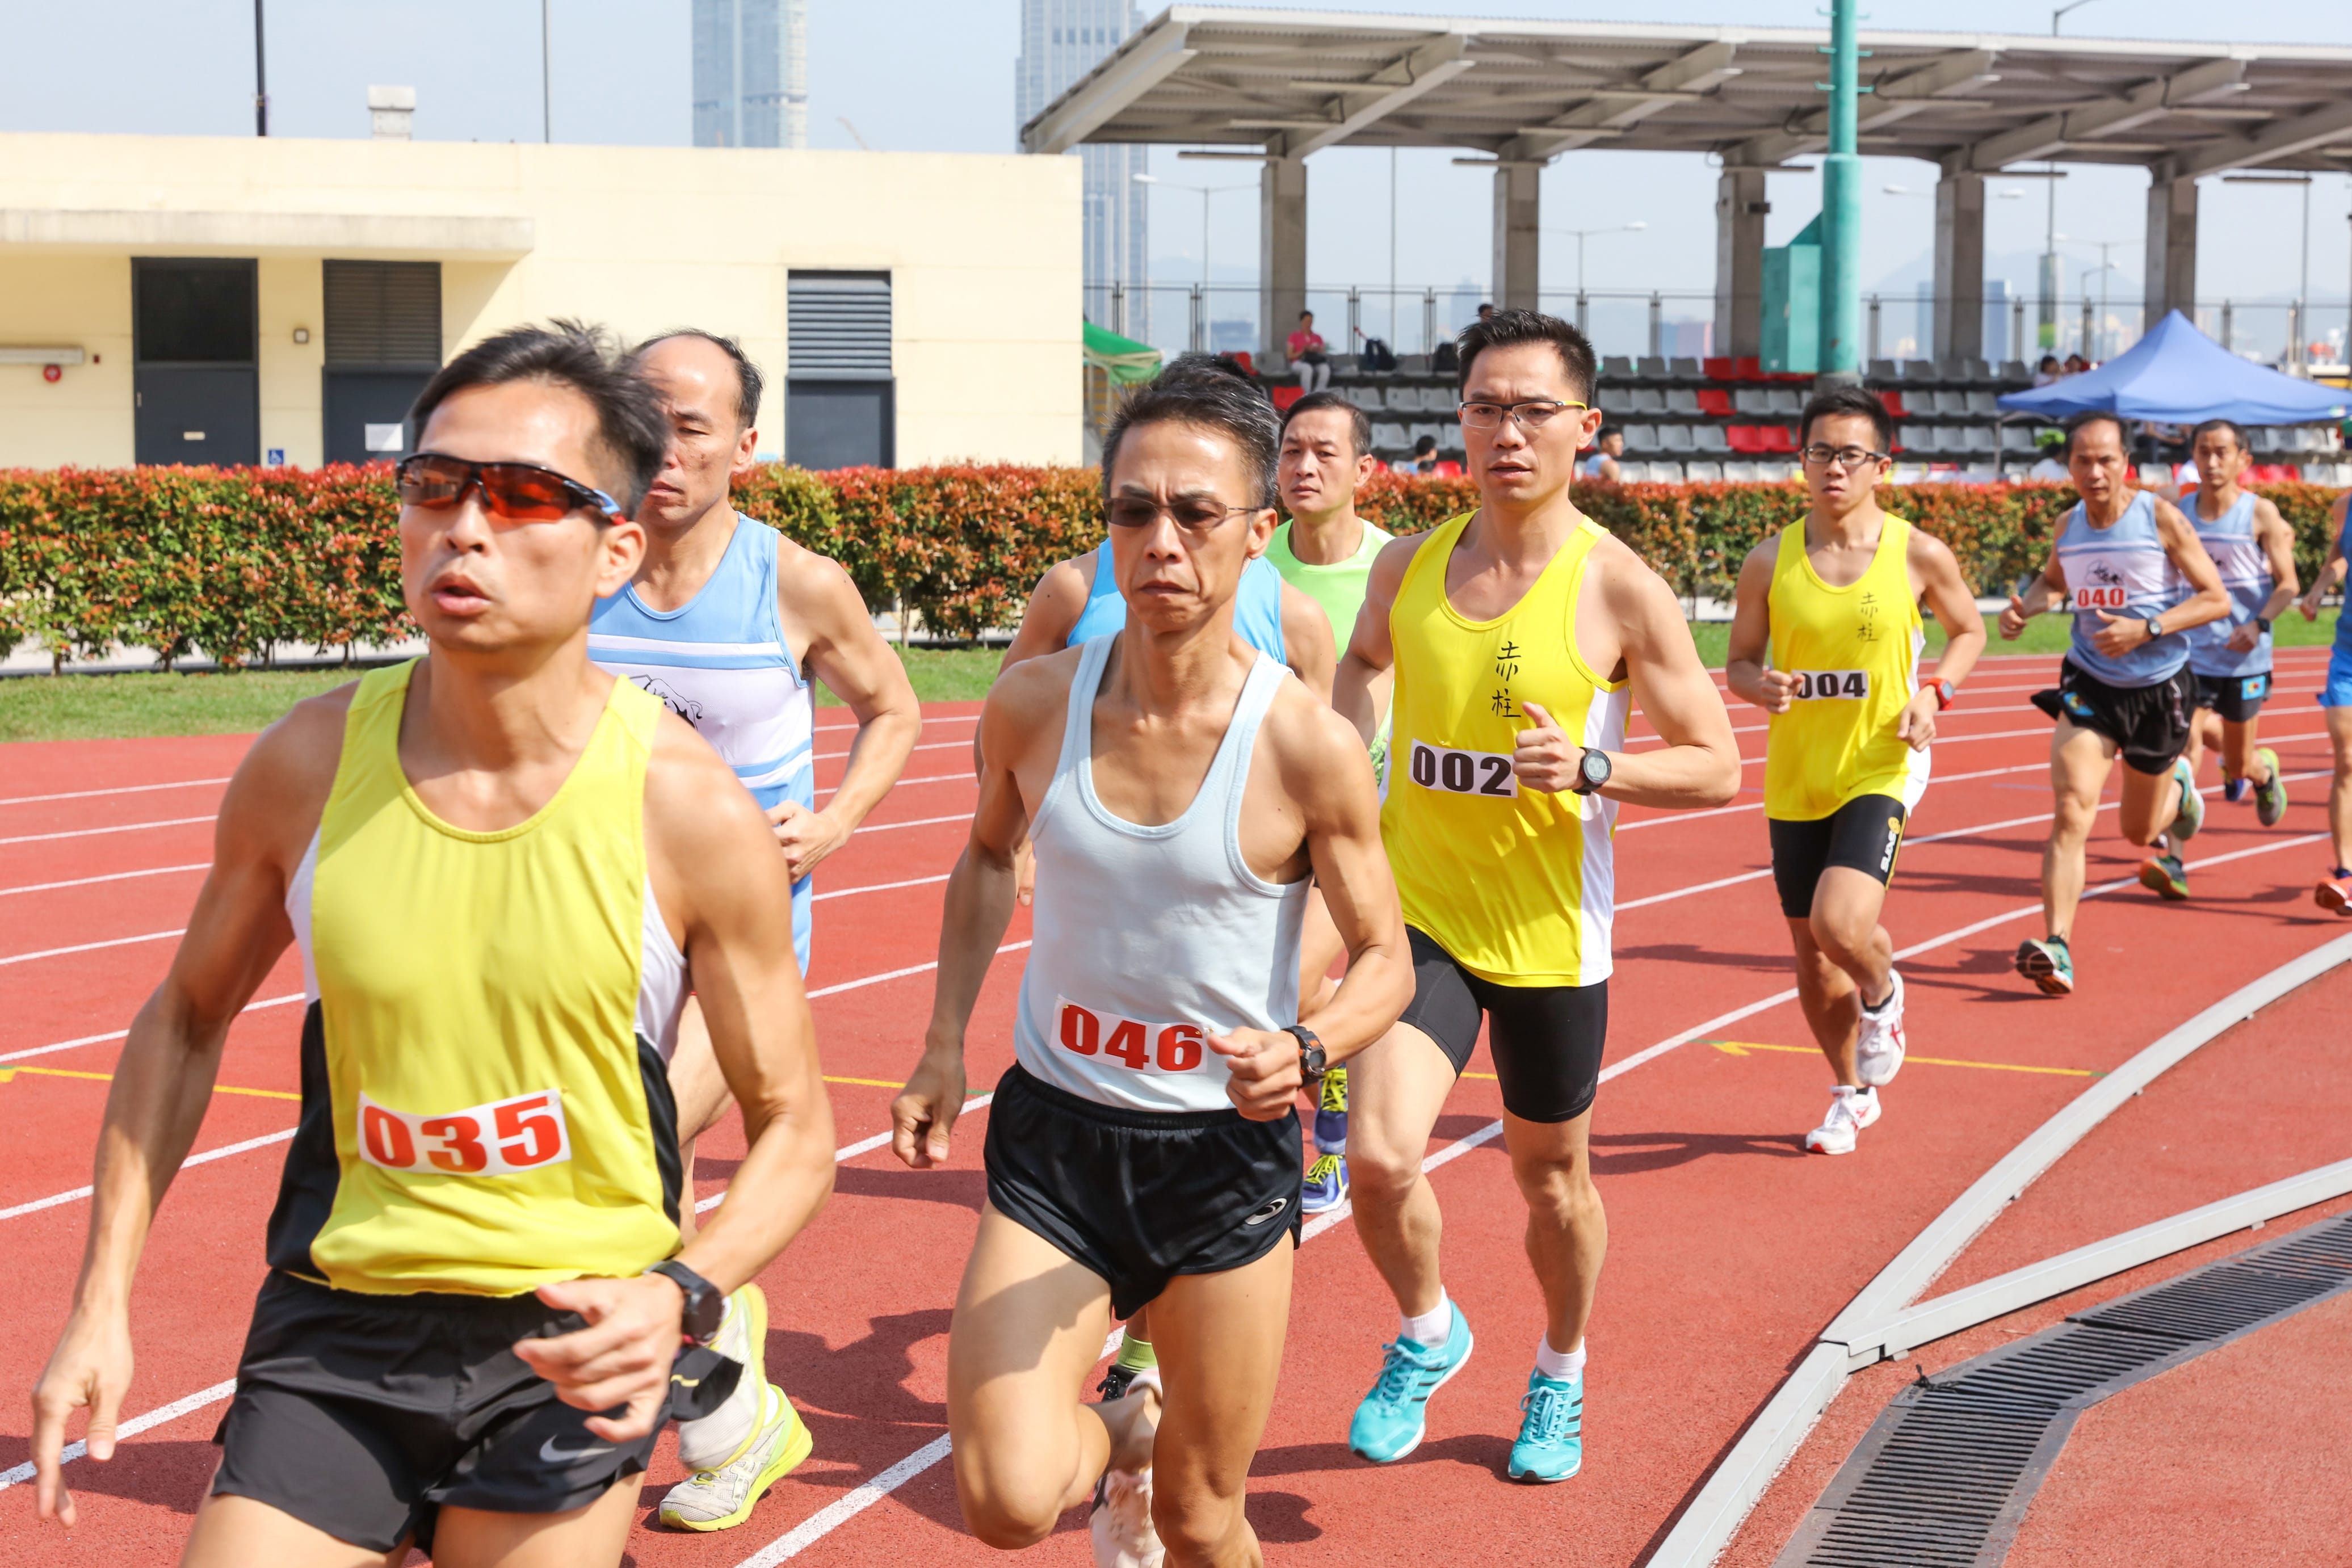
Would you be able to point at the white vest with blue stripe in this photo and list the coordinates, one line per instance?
(720, 663)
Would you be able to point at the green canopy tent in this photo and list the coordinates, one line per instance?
(1123, 360)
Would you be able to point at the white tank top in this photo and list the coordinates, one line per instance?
(1147, 939)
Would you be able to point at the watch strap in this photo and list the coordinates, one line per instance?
(703, 1300)
(1311, 1068)
(1945, 694)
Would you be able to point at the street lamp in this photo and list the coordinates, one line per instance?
(1205, 193)
(2298, 330)
(1582, 234)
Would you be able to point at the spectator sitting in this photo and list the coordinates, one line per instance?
(1424, 458)
(1607, 447)
(2048, 371)
(1485, 311)
(2076, 364)
(1308, 354)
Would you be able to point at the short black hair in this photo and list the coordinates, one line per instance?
(1359, 428)
(1506, 327)
(632, 428)
(1427, 443)
(1847, 401)
(1303, 315)
(2089, 417)
(1197, 390)
(2237, 433)
(749, 383)
(2048, 360)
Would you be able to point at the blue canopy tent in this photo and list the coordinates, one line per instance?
(2178, 375)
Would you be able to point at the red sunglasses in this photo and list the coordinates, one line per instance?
(512, 492)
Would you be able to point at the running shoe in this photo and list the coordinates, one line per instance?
(1878, 1046)
(722, 1496)
(2335, 894)
(1327, 1184)
(2270, 797)
(1121, 1525)
(1551, 1429)
(1115, 1381)
(1392, 1420)
(2192, 815)
(2048, 965)
(710, 1442)
(1850, 1110)
(1331, 1113)
(2165, 875)
(2233, 790)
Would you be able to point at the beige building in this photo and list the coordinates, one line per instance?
(182, 298)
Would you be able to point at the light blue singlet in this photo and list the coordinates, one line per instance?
(720, 663)
(1257, 608)
(2123, 569)
(2246, 573)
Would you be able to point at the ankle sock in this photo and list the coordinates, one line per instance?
(1136, 1354)
(1559, 1365)
(1433, 1327)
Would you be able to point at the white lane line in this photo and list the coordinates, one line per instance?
(929, 719)
(880, 887)
(92, 947)
(917, 823)
(838, 756)
(835, 990)
(124, 1033)
(131, 1428)
(92, 832)
(121, 790)
(54, 1199)
(110, 876)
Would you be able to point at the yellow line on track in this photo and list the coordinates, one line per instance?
(8, 1073)
(868, 1082)
(1742, 1047)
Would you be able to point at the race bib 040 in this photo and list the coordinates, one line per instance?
(1452, 772)
(2108, 596)
(505, 1137)
(1140, 1045)
(1825, 685)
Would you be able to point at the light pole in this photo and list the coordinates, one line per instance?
(1581, 236)
(546, 77)
(2298, 329)
(1841, 323)
(1205, 192)
(260, 77)
(2048, 305)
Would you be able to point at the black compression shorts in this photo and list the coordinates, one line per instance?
(1864, 834)
(1546, 1040)
(1141, 1196)
(2237, 699)
(2149, 725)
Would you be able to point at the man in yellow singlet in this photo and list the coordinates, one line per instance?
(1826, 639)
(1519, 635)
(504, 868)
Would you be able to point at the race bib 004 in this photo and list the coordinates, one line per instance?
(504, 1137)
(1143, 1047)
(1824, 685)
(1456, 772)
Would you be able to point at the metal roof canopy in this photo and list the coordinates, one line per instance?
(1291, 83)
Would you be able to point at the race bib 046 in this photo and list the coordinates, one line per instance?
(1140, 1045)
(504, 1137)
(1456, 772)
(1825, 685)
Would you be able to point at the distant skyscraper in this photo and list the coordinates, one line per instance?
(750, 73)
(1062, 40)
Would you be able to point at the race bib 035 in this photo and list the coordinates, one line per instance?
(504, 1137)
(1825, 685)
(1456, 772)
(1143, 1047)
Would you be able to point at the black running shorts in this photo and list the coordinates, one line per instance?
(2149, 725)
(361, 1416)
(2237, 699)
(1141, 1196)
(1864, 834)
(1546, 1040)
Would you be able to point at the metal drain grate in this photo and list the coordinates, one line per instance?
(1943, 1476)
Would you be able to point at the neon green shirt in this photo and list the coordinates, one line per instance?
(1340, 590)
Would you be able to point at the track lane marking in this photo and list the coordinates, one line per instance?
(93, 947)
(93, 832)
(124, 1033)
(110, 876)
(1742, 1047)
(119, 789)
(8, 1073)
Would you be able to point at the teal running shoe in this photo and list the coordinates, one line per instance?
(2166, 876)
(1325, 1187)
(1551, 1432)
(2192, 815)
(1390, 1423)
(2048, 965)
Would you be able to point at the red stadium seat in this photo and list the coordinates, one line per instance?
(1894, 402)
(1780, 439)
(1715, 400)
(1285, 396)
(1748, 439)
(1721, 369)
(1748, 368)
(1447, 469)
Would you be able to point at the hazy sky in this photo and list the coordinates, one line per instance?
(938, 75)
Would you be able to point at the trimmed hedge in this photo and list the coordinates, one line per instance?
(231, 560)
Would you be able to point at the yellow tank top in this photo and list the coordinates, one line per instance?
(1856, 651)
(1517, 886)
(484, 1103)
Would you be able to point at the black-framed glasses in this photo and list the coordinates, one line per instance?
(1193, 514)
(510, 492)
(1530, 415)
(1820, 455)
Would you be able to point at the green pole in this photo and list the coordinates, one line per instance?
(1841, 352)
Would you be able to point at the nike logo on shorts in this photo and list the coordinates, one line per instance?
(548, 1454)
(1268, 1212)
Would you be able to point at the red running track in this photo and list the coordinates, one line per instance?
(1731, 1246)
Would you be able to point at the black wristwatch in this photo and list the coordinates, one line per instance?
(2155, 625)
(2262, 624)
(706, 1304)
(1310, 1052)
(1592, 772)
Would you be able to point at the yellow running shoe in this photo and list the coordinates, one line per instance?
(723, 1498)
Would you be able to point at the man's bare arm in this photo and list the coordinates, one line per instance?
(1307, 638)
(816, 597)
(163, 1079)
(2044, 593)
(1055, 606)
(2277, 539)
(1358, 684)
(2331, 568)
(1937, 572)
(1698, 765)
(1751, 643)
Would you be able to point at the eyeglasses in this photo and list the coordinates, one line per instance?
(510, 492)
(1822, 457)
(1193, 514)
(1530, 416)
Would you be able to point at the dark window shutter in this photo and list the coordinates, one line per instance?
(383, 312)
(840, 326)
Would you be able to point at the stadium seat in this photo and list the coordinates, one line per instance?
(1675, 437)
(1641, 438)
(1883, 371)
(1779, 438)
(1715, 400)
(1685, 370)
(1784, 399)
(1649, 399)
(1723, 368)
(1447, 470)
(1665, 473)
(1285, 396)
(1652, 368)
(1430, 428)
(2016, 372)
(1389, 435)
(1984, 401)
(1616, 402)
(1893, 402)
(1750, 368)
(1617, 367)
(1752, 400)
(1709, 438)
(1747, 438)
(1682, 400)
(1703, 473)
(1918, 371)
(1743, 473)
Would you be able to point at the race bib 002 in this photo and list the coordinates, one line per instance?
(1142, 1047)
(1452, 772)
(1825, 685)
(505, 1137)
(2109, 596)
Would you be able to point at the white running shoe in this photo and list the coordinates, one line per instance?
(1851, 1110)
(1121, 1525)
(1878, 1048)
(723, 1496)
(709, 1442)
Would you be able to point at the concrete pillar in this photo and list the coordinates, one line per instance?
(2171, 247)
(1518, 209)
(1282, 258)
(1959, 329)
(1739, 210)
